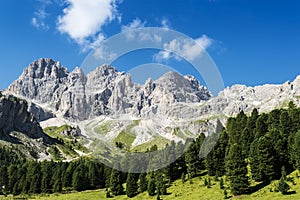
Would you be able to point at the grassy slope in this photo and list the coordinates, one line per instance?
(158, 140)
(70, 145)
(186, 191)
(126, 136)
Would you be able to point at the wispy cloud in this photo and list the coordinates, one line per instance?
(83, 20)
(184, 48)
(38, 21)
(136, 23)
(165, 23)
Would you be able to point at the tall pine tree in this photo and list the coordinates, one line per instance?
(237, 170)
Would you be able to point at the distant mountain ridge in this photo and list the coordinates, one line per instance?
(104, 91)
(106, 104)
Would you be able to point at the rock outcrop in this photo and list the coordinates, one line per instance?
(14, 117)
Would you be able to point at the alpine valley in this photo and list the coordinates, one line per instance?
(71, 135)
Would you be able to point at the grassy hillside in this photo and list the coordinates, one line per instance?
(186, 191)
(68, 144)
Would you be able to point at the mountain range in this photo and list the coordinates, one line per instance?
(107, 106)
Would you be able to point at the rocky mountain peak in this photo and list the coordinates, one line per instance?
(105, 70)
(77, 75)
(103, 91)
(45, 67)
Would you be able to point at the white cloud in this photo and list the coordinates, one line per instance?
(185, 48)
(83, 20)
(38, 21)
(136, 23)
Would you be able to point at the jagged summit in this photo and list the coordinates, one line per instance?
(105, 70)
(104, 91)
(173, 107)
(45, 67)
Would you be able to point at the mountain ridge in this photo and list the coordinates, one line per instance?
(102, 91)
(173, 107)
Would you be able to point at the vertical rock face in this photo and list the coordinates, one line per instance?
(73, 100)
(104, 91)
(15, 117)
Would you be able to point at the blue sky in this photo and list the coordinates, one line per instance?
(251, 41)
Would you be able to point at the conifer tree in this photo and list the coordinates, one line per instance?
(254, 161)
(151, 185)
(221, 183)
(131, 185)
(237, 170)
(266, 159)
(3, 179)
(143, 184)
(297, 149)
(80, 177)
(283, 187)
(116, 186)
(160, 185)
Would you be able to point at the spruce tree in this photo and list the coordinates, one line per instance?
(143, 184)
(254, 161)
(116, 186)
(80, 178)
(132, 185)
(34, 177)
(266, 159)
(237, 170)
(160, 185)
(56, 178)
(192, 159)
(283, 187)
(3, 179)
(297, 149)
(92, 174)
(151, 185)
(221, 183)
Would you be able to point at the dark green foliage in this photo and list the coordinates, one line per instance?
(215, 160)
(192, 158)
(151, 185)
(283, 187)
(267, 141)
(205, 182)
(237, 170)
(221, 183)
(143, 184)
(225, 194)
(158, 197)
(131, 185)
(116, 186)
(80, 178)
(3, 179)
(254, 160)
(266, 159)
(297, 149)
(34, 177)
(208, 182)
(261, 127)
(183, 178)
(160, 184)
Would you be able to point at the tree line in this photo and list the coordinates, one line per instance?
(258, 147)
